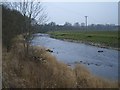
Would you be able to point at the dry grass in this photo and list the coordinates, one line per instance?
(45, 71)
(86, 79)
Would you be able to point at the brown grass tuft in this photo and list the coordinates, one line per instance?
(86, 79)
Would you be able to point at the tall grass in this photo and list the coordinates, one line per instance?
(44, 71)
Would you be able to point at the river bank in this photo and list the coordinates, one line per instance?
(42, 70)
(99, 63)
(89, 43)
(101, 39)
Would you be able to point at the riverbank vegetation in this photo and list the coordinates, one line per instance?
(98, 38)
(41, 70)
(38, 68)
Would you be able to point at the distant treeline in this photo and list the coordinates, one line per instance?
(76, 27)
(12, 25)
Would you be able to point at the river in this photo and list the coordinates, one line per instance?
(103, 64)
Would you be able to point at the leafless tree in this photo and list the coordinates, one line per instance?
(31, 10)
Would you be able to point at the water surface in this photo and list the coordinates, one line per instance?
(103, 64)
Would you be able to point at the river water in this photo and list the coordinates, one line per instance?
(103, 64)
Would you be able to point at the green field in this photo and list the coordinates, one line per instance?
(106, 38)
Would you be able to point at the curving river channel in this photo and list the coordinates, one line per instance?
(103, 63)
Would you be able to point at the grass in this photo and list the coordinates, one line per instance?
(104, 38)
(20, 71)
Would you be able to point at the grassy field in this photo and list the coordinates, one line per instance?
(104, 38)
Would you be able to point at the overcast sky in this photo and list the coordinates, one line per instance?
(97, 12)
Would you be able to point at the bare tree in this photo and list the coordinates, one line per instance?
(31, 10)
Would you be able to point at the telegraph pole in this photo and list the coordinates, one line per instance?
(86, 21)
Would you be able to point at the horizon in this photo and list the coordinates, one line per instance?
(72, 12)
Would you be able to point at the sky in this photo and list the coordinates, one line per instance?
(97, 12)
